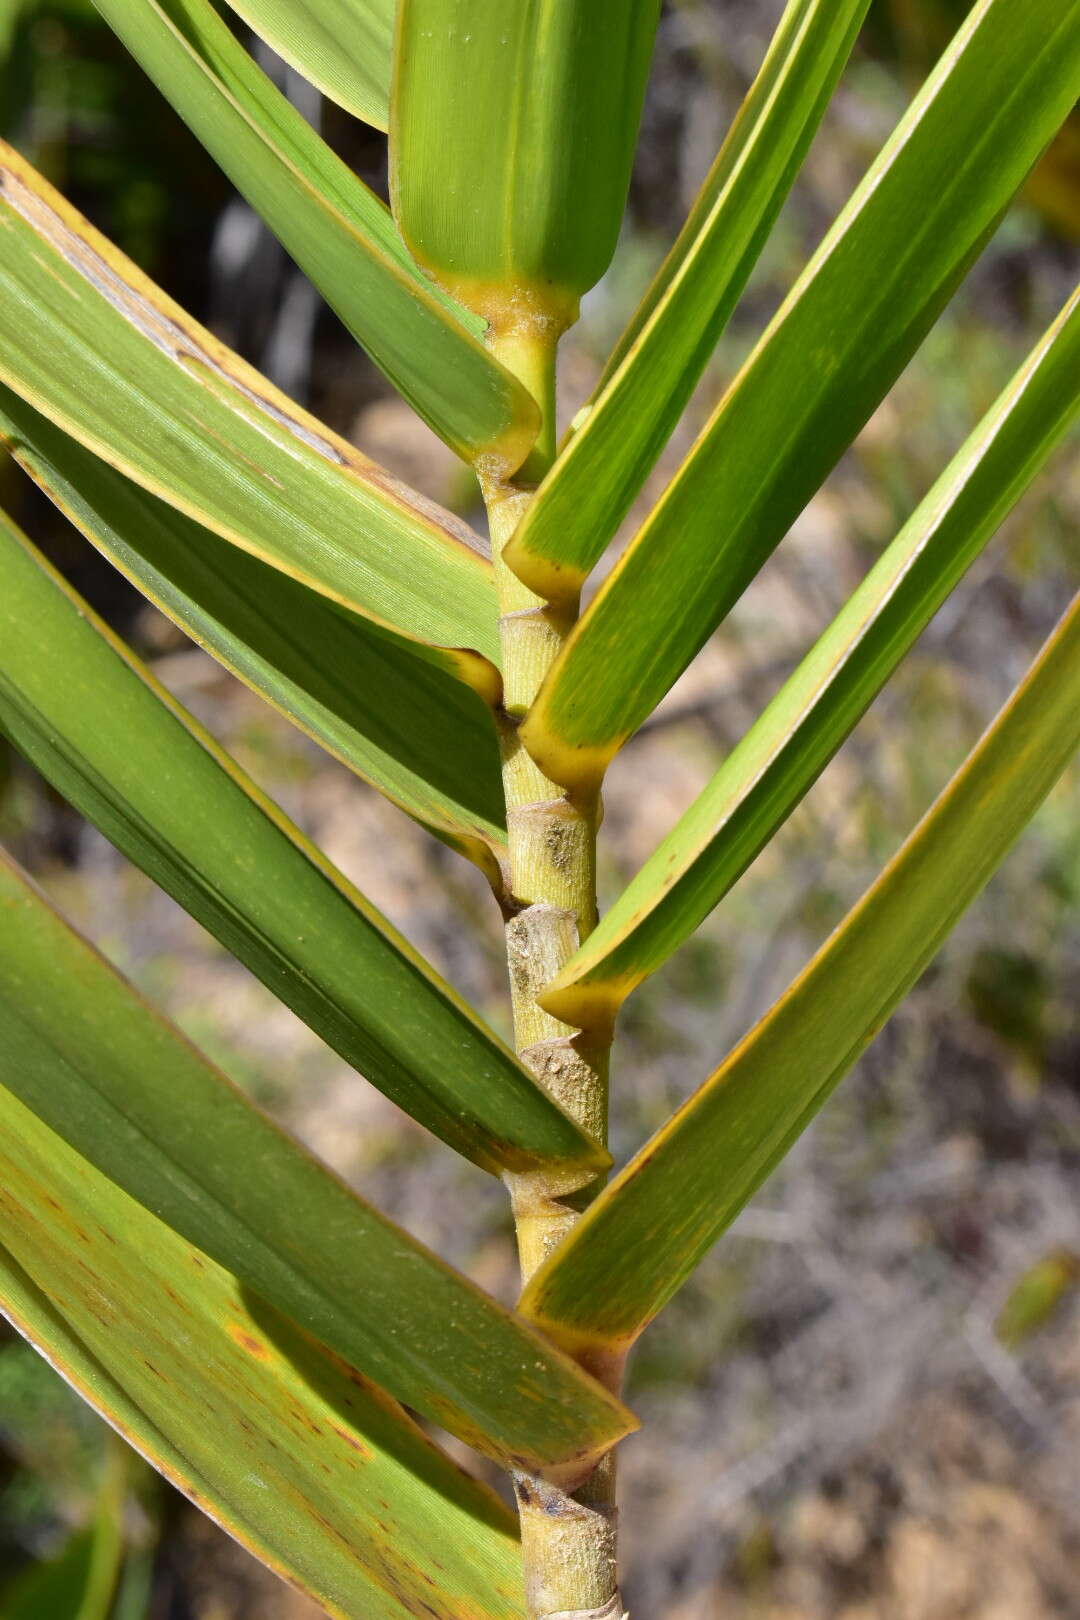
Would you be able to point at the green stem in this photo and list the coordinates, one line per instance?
(567, 1536)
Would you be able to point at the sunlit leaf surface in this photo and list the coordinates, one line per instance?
(645, 1233)
(865, 302)
(765, 776)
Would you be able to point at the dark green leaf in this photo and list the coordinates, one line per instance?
(80, 706)
(145, 1109)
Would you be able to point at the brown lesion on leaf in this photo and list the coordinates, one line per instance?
(248, 1342)
(351, 1440)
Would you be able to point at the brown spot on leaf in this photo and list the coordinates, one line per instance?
(351, 1440)
(248, 1342)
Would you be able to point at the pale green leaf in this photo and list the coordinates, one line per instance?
(94, 1062)
(86, 339)
(337, 230)
(512, 137)
(659, 359)
(763, 778)
(342, 46)
(645, 1233)
(863, 305)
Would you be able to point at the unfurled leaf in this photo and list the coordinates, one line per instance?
(93, 1061)
(763, 779)
(131, 759)
(660, 357)
(302, 1460)
(342, 46)
(861, 308)
(376, 703)
(512, 136)
(337, 230)
(645, 1233)
(93, 345)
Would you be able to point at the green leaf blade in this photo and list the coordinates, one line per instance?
(861, 308)
(92, 344)
(140, 1105)
(309, 1466)
(650, 377)
(512, 136)
(338, 231)
(644, 1234)
(379, 705)
(343, 47)
(131, 759)
(766, 775)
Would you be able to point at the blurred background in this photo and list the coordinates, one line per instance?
(866, 1404)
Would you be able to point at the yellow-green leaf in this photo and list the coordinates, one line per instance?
(645, 1233)
(142, 1106)
(307, 1464)
(96, 347)
(337, 230)
(765, 776)
(866, 300)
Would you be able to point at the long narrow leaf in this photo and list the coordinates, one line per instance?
(868, 297)
(337, 230)
(648, 1229)
(93, 1061)
(343, 46)
(512, 137)
(307, 1464)
(661, 356)
(90, 342)
(763, 779)
(411, 729)
(128, 756)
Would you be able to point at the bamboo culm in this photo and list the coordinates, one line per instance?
(568, 1525)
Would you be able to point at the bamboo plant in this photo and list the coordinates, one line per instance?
(252, 1326)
